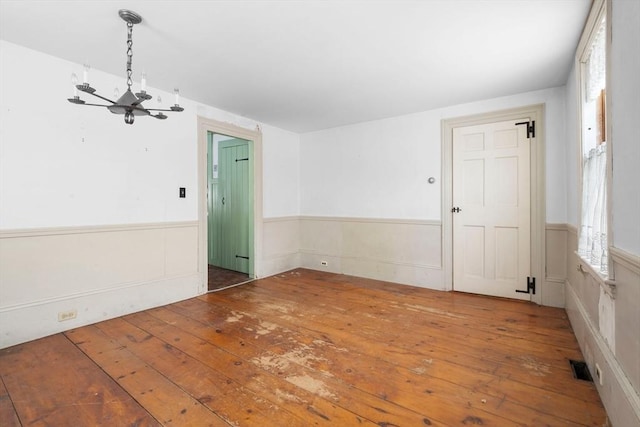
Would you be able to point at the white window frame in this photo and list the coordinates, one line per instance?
(599, 9)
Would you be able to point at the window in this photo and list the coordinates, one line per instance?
(593, 241)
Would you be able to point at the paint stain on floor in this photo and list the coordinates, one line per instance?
(235, 317)
(535, 367)
(312, 385)
(431, 310)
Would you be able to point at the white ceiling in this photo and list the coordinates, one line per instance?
(309, 65)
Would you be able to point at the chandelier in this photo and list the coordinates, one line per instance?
(129, 104)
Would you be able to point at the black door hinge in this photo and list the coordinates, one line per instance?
(531, 286)
(243, 257)
(531, 128)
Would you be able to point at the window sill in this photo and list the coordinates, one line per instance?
(608, 285)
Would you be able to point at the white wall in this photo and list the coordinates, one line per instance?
(67, 165)
(281, 170)
(90, 218)
(624, 92)
(379, 169)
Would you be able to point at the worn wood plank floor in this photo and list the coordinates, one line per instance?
(307, 348)
(220, 278)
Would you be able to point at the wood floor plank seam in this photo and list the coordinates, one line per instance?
(98, 366)
(317, 399)
(169, 346)
(460, 366)
(514, 402)
(504, 422)
(8, 415)
(567, 369)
(476, 311)
(145, 396)
(297, 361)
(514, 324)
(571, 354)
(307, 348)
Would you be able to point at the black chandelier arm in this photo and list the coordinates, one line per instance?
(97, 105)
(173, 109)
(99, 96)
(140, 108)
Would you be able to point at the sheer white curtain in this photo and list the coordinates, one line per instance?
(596, 65)
(592, 245)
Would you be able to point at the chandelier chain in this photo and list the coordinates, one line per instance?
(129, 53)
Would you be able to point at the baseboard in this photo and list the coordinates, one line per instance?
(414, 274)
(31, 321)
(617, 393)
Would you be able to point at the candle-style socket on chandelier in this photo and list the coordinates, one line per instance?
(128, 104)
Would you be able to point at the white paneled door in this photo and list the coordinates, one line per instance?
(491, 209)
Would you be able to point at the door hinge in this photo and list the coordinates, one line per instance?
(531, 286)
(531, 128)
(242, 160)
(455, 209)
(246, 257)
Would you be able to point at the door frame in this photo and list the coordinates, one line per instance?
(206, 125)
(537, 182)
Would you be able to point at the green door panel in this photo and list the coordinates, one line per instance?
(230, 203)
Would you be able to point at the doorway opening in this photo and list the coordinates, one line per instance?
(229, 204)
(229, 210)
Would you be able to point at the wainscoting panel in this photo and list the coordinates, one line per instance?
(88, 274)
(281, 243)
(619, 363)
(181, 250)
(556, 265)
(627, 299)
(556, 252)
(401, 251)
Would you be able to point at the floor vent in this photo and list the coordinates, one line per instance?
(580, 370)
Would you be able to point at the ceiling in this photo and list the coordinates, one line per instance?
(310, 65)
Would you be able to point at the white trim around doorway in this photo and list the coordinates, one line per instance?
(206, 125)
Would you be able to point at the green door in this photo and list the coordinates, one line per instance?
(230, 207)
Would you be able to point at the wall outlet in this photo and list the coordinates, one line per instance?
(599, 374)
(325, 263)
(67, 315)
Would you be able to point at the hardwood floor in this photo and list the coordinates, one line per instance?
(307, 348)
(220, 278)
